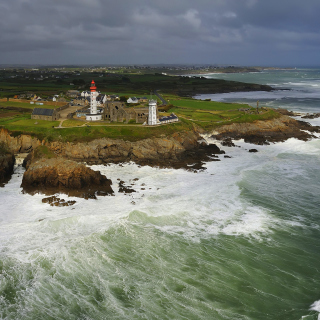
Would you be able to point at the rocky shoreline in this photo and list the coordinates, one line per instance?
(60, 167)
(266, 132)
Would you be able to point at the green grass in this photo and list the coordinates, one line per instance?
(206, 105)
(44, 130)
(25, 105)
(32, 123)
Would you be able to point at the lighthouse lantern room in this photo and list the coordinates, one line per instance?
(93, 115)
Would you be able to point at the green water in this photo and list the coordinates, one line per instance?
(238, 241)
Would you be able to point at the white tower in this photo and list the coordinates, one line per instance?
(152, 118)
(93, 115)
(93, 100)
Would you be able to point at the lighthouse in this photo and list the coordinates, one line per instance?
(93, 115)
(152, 117)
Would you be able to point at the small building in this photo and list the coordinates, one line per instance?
(45, 114)
(133, 100)
(81, 101)
(169, 119)
(101, 99)
(73, 93)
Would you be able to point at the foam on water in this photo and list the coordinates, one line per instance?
(237, 241)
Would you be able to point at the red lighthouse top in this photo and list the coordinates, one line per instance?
(93, 86)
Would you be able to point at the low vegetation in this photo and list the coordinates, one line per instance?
(177, 90)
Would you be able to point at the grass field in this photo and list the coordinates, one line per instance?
(191, 112)
(205, 114)
(24, 105)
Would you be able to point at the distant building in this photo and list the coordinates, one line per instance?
(73, 93)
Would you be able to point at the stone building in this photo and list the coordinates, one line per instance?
(115, 111)
(141, 114)
(45, 114)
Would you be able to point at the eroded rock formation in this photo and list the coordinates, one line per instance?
(50, 176)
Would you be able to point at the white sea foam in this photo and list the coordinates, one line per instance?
(316, 307)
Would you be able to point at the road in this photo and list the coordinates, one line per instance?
(164, 102)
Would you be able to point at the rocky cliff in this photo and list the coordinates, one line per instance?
(6, 167)
(50, 176)
(179, 150)
(20, 143)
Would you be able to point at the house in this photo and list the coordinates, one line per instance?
(45, 114)
(85, 94)
(73, 93)
(133, 100)
(81, 101)
(101, 99)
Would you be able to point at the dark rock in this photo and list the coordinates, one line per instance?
(286, 112)
(227, 142)
(311, 116)
(55, 201)
(253, 150)
(125, 189)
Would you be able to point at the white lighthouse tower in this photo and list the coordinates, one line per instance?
(152, 117)
(93, 115)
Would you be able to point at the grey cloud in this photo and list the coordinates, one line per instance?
(126, 31)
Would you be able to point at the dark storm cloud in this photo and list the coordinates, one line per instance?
(142, 31)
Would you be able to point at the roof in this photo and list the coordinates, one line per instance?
(171, 117)
(42, 112)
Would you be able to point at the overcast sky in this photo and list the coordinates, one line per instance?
(238, 32)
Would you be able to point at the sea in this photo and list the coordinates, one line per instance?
(239, 240)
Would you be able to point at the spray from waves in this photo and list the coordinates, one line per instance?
(316, 307)
(184, 245)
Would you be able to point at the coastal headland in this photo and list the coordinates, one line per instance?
(57, 149)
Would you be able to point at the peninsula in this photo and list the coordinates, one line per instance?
(113, 127)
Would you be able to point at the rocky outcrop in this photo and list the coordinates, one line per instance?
(50, 176)
(264, 132)
(116, 150)
(19, 143)
(6, 167)
(311, 116)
